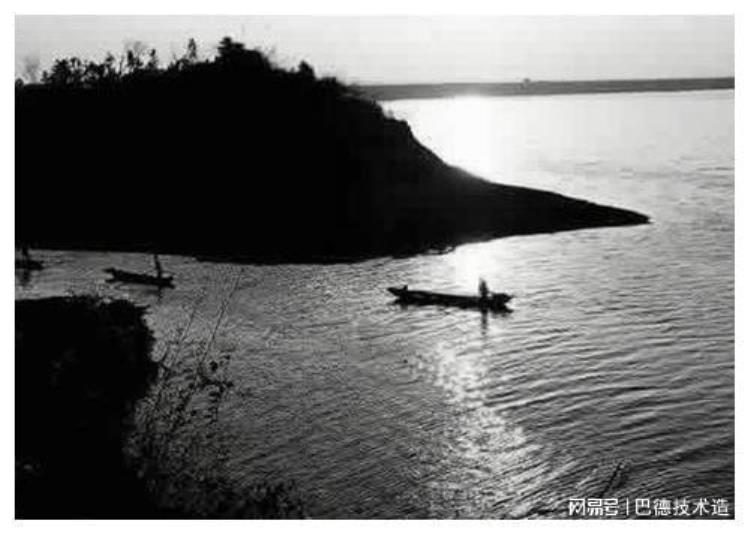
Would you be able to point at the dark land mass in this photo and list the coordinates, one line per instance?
(385, 92)
(233, 158)
(82, 365)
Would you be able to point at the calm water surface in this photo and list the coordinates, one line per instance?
(621, 346)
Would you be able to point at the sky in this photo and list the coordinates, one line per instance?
(399, 49)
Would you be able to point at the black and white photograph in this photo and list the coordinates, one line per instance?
(395, 266)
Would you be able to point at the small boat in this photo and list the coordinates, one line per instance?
(495, 302)
(25, 262)
(120, 275)
(28, 264)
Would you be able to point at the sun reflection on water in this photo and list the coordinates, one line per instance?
(480, 134)
(471, 134)
(485, 452)
(468, 263)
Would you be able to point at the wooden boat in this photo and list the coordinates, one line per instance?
(496, 301)
(120, 275)
(28, 264)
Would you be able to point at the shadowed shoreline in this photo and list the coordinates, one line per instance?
(83, 366)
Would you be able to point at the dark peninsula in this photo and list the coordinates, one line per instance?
(235, 158)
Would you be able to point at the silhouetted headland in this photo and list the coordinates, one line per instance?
(543, 87)
(234, 158)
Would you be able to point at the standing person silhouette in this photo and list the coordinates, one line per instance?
(484, 290)
(157, 265)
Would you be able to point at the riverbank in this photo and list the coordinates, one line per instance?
(82, 366)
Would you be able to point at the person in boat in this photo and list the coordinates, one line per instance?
(484, 290)
(157, 266)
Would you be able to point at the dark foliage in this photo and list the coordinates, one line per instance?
(81, 364)
(236, 158)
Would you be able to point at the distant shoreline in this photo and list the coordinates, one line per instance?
(387, 92)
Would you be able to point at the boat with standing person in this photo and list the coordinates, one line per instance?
(160, 279)
(497, 302)
(26, 262)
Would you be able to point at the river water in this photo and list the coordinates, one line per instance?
(620, 348)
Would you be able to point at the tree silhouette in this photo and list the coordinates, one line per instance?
(153, 61)
(229, 49)
(192, 51)
(65, 72)
(306, 71)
